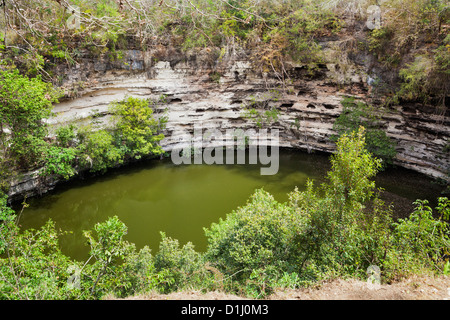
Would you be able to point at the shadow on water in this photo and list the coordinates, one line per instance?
(156, 195)
(402, 187)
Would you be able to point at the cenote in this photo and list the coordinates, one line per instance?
(181, 200)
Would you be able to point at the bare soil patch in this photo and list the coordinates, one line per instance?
(414, 288)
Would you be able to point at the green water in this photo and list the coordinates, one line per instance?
(182, 200)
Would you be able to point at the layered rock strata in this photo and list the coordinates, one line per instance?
(209, 91)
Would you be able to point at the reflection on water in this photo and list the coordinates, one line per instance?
(181, 200)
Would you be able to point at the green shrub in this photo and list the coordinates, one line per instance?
(60, 161)
(65, 135)
(178, 267)
(353, 167)
(442, 56)
(259, 235)
(137, 127)
(381, 43)
(347, 224)
(441, 76)
(7, 215)
(33, 267)
(107, 247)
(415, 85)
(98, 150)
(138, 273)
(421, 240)
(24, 103)
(356, 114)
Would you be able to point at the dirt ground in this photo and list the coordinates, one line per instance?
(411, 289)
(423, 288)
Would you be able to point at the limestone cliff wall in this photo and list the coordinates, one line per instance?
(308, 108)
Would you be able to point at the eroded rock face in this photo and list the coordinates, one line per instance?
(308, 108)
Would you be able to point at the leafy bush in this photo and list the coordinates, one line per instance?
(137, 127)
(33, 266)
(421, 240)
(24, 103)
(65, 135)
(259, 237)
(179, 267)
(259, 109)
(441, 77)
(426, 78)
(356, 114)
(7, 215)
(346, 222)
(61, 158)
(380, 42)
(98, 150)
(107, 246)
(60, 161)
(415, 75)
(442, 57)
(261, 117)
(137, 274)
(353, 167)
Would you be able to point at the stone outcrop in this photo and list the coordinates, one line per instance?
(204, 88)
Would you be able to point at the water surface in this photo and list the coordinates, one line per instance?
(181, 200)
